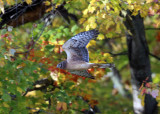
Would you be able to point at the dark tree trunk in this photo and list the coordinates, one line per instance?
(138, 54)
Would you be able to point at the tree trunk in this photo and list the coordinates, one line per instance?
(138, 54)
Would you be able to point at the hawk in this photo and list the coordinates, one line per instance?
(77, 54)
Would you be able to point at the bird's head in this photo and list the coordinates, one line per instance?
(62, 65)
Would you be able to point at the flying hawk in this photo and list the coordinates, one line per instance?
(77, 54)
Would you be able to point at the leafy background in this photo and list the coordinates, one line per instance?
(26, 58)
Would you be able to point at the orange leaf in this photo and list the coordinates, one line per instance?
(93, 103)
(158, 36)
(29, 1)
(21, 65)
(59, 106)
(87, 97)
(64, 106)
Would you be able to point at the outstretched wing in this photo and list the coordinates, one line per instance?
(83, 73)
(77, 54)
(76, 46)
(83, 38)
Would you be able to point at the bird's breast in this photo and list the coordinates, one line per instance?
(78, 65)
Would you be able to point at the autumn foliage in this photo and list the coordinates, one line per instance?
(29, 79)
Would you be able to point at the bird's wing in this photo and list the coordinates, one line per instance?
(83, 38)
(77, 54)
(83, 73)
(76, 46)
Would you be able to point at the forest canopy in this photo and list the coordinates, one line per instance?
(32, 35)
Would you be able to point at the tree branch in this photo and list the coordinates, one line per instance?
(45, 82)
(152, 28)
(117, 54)
(156, 57)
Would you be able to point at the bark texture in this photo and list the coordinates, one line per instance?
(138, 54)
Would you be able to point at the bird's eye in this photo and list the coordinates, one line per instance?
(60, 65)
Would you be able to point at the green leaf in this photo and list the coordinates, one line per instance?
(3, 31)
(66, 30)
(6, 97)
(69, 84)
(49, 47)
(74, 28)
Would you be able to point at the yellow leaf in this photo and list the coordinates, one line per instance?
(91, 43)
(47, 3)
(49, 9)
(2, 63)
(2, 6)
(19, 89)
(110, 60)
(85, 12)
(107, 8)
(134, 13)
(92, 2)
(109, 23)
(142, 100)
(116, 10)
(104, 15)
(98, 13)
(8, 2)
(129, 1)
(87, 27)
(118, 29)
(82, 20)
(5, 104)
(158, 98)
(64, 106)
(106, 55)
(149, 1)
(91, 9)
(102, 6)
(32, 93)
(28, 1)
(100, 37)
(92, 19)
(93, 25)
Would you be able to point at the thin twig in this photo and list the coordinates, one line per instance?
(117, 54)
(152, 28)
(125, 53)
(158, 58)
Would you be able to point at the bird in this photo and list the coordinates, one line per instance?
(77, 61)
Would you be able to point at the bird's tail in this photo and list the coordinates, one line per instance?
(108, 65)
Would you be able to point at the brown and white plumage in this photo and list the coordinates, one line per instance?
(77, 54)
